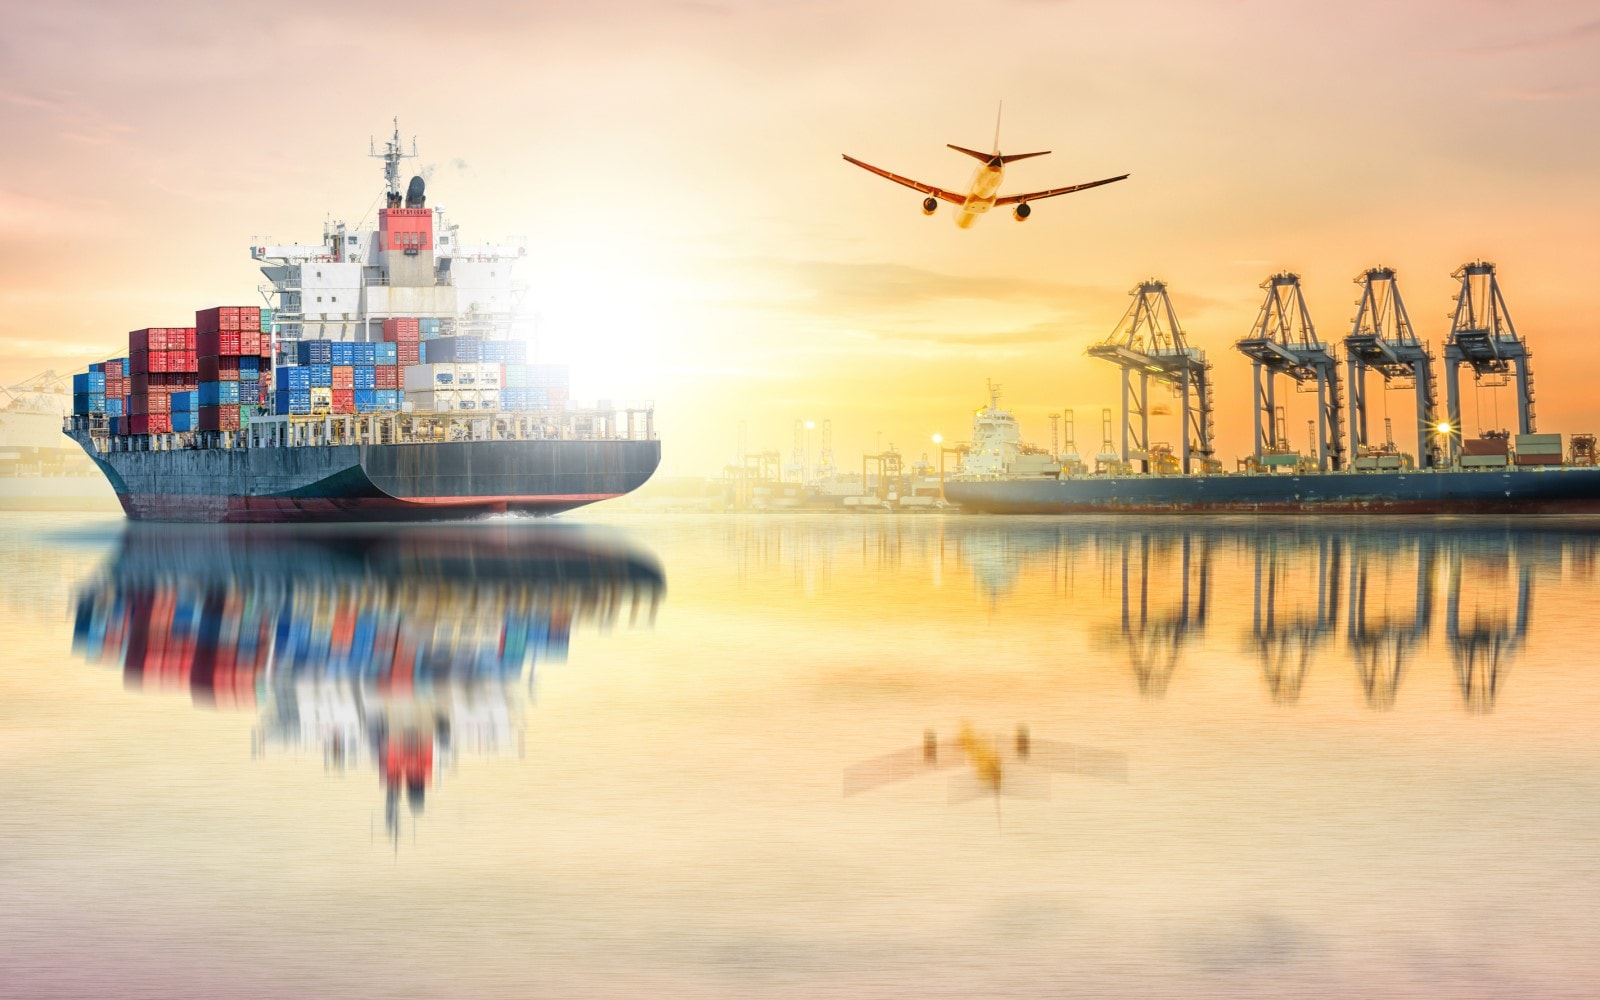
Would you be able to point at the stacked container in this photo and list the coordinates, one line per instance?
(89, 392)
(405, 333)
(161, 361)
(226, 337)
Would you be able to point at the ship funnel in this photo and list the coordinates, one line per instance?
(415, 193)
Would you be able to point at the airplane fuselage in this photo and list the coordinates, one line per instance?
(981, 193)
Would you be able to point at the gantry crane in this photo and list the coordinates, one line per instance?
(1149, 343)
(1383, 340)
(1483, 338)
(1284, 342)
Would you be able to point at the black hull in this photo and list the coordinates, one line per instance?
(1544, 491)
(442, 481)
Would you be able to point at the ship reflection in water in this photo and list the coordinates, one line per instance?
(1368, 595)
(397, 651)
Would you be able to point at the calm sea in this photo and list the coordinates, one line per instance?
(800, 756)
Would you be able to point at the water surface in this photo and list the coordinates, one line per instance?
(609, 756)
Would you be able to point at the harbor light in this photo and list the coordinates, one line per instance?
(1443, 427)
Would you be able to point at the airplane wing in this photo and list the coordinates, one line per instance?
(940, 193)
(869, 774)
(1076, 758)
(1012, 199)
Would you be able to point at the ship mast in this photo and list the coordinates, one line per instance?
(393, 153)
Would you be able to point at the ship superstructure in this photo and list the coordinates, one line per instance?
(410, 262)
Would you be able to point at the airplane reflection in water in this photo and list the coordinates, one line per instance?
(989, 769)
(394, 650)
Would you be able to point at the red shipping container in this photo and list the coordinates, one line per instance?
(250, 342)
(139, 362)
(408, 354)
(344, 401)
(403, 330)
(217, 343)
(344, 377)
(385, 377)
(223, 318)
(214, 369)
(138, 340)
(219, 418)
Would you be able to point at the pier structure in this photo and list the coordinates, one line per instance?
(1284, 341)
(1383, 340)
(1149, 343)
(1483, 338)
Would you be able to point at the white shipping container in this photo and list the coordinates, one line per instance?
(488, 399)
(488, 376)
(433, 400)
(422, 378)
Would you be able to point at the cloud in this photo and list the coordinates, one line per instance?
(1562, 38)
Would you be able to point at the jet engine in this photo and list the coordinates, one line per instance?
(929, 205)
(1022, 211)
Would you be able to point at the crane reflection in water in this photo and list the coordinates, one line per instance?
(1365, 596)
(395, 650)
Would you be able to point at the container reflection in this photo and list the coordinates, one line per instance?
(397, 650)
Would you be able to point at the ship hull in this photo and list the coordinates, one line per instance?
(1547, 491)
(435, 481)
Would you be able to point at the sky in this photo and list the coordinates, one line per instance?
(695, 239)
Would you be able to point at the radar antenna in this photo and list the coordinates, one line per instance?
(393, 152)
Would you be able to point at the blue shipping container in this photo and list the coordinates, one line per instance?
(364, 377)
(366, 354)
(315, 352)
(341, 353)
(288, 401)
(295, 377)
(321, 376)
(89, 382)
(430, 328)
(219, 393)
(249, 363)
(183, 420)
(388, 399)
(386, 354)
(84, 403)
(114, 407)
(448, 350)
(185, 402)
(250, 375)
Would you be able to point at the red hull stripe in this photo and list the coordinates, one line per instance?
(544, 499)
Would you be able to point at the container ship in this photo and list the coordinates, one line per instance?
(386, 379)
(1346, 469)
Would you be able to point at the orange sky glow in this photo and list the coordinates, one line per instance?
(694, 237)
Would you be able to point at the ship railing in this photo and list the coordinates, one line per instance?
(320, 430)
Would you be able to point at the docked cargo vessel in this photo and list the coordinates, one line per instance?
(387, 380)
(1499, 472)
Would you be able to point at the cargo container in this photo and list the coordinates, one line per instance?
(429, 376)
(401, 330)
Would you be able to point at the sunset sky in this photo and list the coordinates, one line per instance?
(694, 237)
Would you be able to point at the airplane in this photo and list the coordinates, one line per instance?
(990, 772)
(983, 190)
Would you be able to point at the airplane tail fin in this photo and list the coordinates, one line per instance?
(985, 157)
(998, 112)
(1021, 156)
